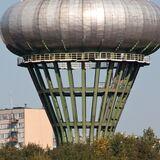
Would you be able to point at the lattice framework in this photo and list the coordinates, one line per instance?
(81, 110)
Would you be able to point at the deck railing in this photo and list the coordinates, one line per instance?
(87, 56)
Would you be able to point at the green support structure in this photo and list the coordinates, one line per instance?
(104, 98)
(117, 79)
(63, 101)
(45, 102)
(73, 101)
(83, 101)
(54, 100)
(129, 87)
(89, 91)
(94, 102)
(90, 125)
(124, 85)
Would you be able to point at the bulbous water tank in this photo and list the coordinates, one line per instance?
(38, 26)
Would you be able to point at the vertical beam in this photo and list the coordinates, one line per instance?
(94, 101)
(63, 100)
(118, 77)
(104, 98)
(39, 87)
(113, 82)
(54, 100)
(132, 78)
(83, 101)
(48, 102)
(124, 83)
(73, 101)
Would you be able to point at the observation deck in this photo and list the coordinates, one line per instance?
(83, 57)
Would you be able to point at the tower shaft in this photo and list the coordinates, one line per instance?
(83, 94)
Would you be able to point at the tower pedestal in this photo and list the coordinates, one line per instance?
(83, 93)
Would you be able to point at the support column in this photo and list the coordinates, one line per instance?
(104, 98)
(117, 79)
(63, 101)
(132, 78)
(37, 80)
(124, 83)
(73, 101)
(83, 101)
(55, 103)
(120, 76)
(94, 102)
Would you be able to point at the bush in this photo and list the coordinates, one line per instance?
(117, 147)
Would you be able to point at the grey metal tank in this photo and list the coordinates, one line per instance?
(53, 26)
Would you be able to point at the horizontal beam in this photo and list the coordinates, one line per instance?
(80, 125)
(78, 91)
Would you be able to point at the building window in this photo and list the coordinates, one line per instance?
(16, 115)
(4, 116)
(20, 125)
(21, 135)
(21, 115)
(1, 136)
(6, 135)
(4, 126)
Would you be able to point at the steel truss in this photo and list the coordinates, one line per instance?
(73, 117)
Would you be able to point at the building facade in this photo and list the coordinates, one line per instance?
(21, 126)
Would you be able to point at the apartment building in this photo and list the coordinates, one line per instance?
(20, 126)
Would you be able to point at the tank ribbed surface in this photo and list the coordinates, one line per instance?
(38, 26)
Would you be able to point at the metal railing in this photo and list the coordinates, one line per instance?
(85, 56)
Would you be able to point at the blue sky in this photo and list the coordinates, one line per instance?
(141, 111)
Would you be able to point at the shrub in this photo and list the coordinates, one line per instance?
(116, 147)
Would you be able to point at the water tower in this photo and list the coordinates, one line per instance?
(83, 57)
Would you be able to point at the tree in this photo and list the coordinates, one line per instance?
(148, 146)
(116, 147)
